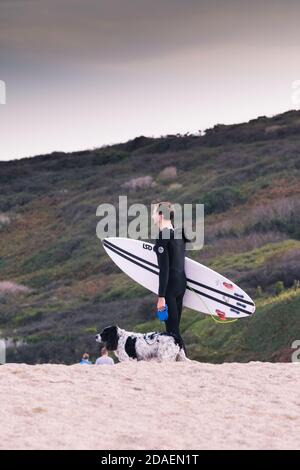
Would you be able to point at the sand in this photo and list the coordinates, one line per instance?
(147, 405)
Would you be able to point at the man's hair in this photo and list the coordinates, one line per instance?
(166, 209)
(103, 350)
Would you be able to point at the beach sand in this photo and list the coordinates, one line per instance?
(147, 405)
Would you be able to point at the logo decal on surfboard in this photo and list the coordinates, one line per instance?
(221, 315)
(228, 285)
(147, 247)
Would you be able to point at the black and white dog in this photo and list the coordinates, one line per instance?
(143, 347)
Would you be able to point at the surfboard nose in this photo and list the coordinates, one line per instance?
(105, 241)
(110, 239)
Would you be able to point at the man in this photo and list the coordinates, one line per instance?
(170, 251)
(104, 358)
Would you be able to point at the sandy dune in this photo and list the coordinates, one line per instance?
(150, 406)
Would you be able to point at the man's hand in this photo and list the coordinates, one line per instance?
(161, 303)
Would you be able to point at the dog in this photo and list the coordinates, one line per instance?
(142, 347)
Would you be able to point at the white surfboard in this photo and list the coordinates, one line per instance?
(207, 291)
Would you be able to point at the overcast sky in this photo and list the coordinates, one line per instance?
(81, 74)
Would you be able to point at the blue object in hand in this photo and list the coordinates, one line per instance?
(162, 315)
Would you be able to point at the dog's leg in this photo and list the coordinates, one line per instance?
(181, 357)
(122, 355)
(159, 358)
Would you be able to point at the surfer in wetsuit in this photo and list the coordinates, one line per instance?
(170, 253)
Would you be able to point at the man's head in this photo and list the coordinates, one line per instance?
(103, 351)
(86, 356)
(162, 211)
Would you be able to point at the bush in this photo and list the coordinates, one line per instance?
(279, 287)
(222, 199)
(296, 284)
(259, 292)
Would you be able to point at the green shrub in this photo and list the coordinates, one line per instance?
(259, 292)
(220, 200)
(279, 287)
(296, 284)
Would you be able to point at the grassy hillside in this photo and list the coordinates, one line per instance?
(248, 177)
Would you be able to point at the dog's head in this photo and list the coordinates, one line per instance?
(109, 336)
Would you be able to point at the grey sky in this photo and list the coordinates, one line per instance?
(80, 74)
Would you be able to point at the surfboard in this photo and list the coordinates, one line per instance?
(207, 291)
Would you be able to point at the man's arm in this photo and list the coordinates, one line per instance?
(163, 263)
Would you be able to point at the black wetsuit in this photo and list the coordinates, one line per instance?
(172, 279)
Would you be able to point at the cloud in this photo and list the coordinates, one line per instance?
(82, 73)
(116, 31)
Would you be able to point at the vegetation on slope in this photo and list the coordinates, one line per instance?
(248, 177)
